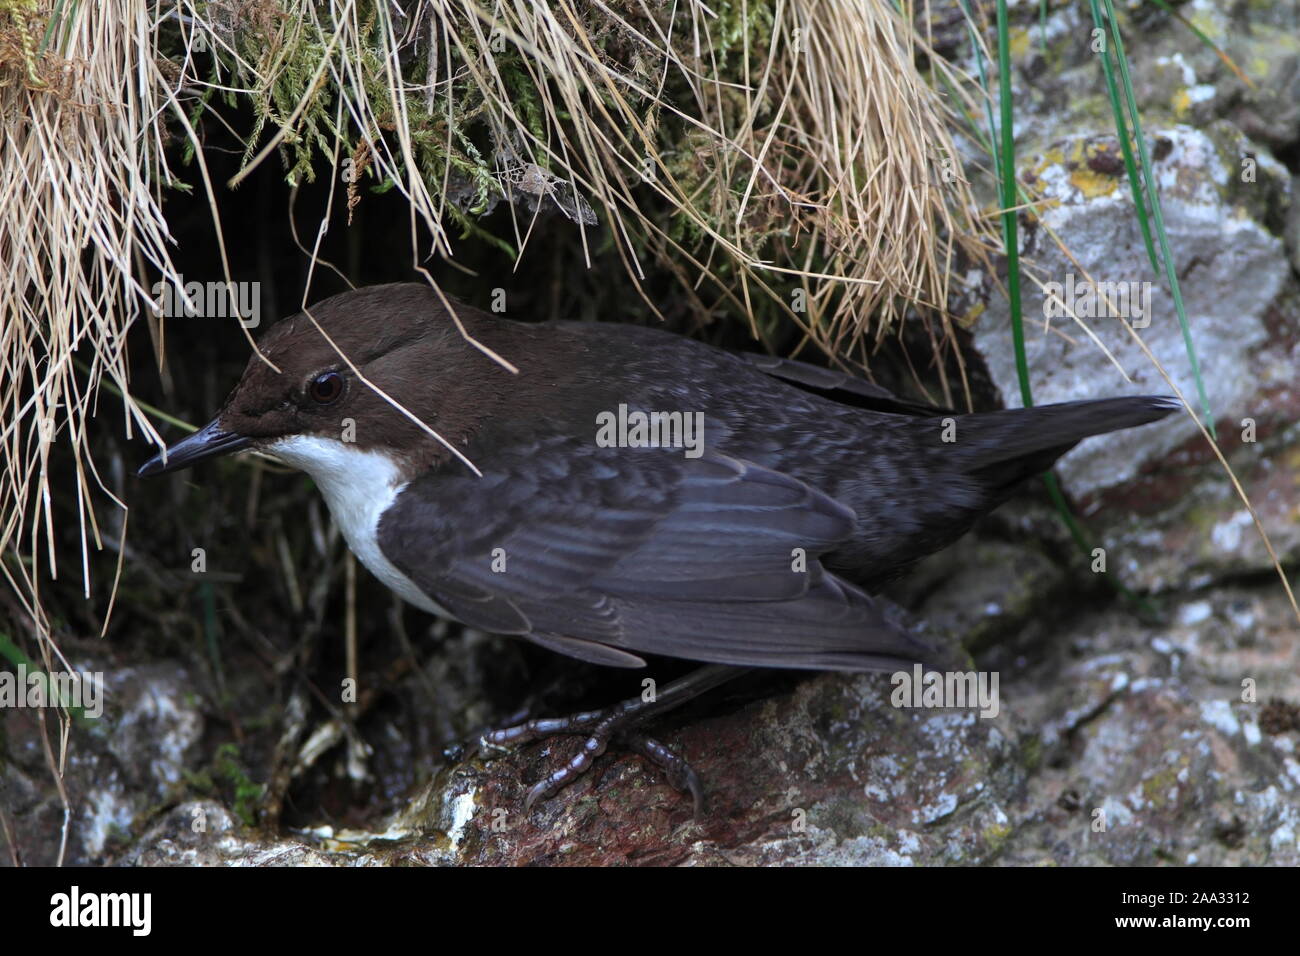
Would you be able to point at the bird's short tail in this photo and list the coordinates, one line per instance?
(1007, 446)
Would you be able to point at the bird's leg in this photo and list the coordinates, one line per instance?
(618, 722)
(681, 775)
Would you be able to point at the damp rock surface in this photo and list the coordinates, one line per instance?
(1120, 744)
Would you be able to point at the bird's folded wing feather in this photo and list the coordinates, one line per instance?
(601, 552)
(840, 386)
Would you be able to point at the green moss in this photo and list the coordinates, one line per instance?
(1157, 787)
(1031, 751)
(244, 792)
(995, 836)
(22, 17)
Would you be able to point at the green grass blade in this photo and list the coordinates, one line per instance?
(1135, 179)
(1157, 215)
(1006, 164)
(15, 655)
(1009, 191)
(1200, 35)
(984, 80)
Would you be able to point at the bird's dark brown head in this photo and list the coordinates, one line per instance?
(323, 375)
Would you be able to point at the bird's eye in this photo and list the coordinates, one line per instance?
(325, 388)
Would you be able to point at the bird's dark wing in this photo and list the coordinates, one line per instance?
(602, 553)
(839, 386)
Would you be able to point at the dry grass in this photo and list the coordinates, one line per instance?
(80, 216)
(786, 156)
(812, 157)
(810, 160)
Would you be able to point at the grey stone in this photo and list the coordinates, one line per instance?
(1214, 245)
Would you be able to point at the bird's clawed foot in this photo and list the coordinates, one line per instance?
(618, 724)
(615, 724)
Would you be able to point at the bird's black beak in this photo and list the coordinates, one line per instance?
(208, 442)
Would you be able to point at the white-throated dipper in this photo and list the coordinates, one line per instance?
(755, 541)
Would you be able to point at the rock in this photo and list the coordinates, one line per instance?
(204, 833)
(1293, 225)
(1116, 743)
(121, 765)
(1157, 496)
(830, 772)
(1177, 78)
(1149, 736)
(980, 589)
(1214, 245)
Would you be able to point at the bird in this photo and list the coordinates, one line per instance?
(610, 491)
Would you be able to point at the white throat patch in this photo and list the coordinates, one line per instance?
(358, 487)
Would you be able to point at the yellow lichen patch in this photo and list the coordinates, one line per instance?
(996, 835)
(1292, 459)
(1182, 103)
(1207, 24)
(1053, 157)
(1090, 178)
(1162, 787)
(1019, 41)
